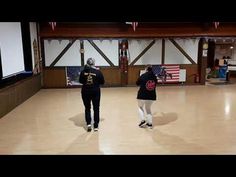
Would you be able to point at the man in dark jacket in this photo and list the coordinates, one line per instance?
(146, 96)
(91, 78)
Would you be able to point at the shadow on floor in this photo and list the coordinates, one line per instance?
(79, 120)
(86, 143)
(177, 145)
(164, 119)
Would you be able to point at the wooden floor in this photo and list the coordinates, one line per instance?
(187, 120)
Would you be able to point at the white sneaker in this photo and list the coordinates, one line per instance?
(142, 124)
(149, 125)
(89, 128)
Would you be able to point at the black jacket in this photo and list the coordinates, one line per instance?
(91, 79)
(147, 83)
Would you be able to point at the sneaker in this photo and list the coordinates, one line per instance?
(89, 128)
(142, 124)
(95, 127)
(149, 125)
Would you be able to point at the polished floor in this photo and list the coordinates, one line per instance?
(187, 120)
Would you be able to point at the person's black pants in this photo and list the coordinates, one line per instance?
(94, 97)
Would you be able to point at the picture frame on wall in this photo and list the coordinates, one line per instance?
(72, 75)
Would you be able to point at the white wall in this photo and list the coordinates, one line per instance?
(53, 48)
(109, 48)
(174, 56)
(11, 48)
(73, 57)
(152, 56)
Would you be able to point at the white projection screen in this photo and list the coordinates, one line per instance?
(11, 46)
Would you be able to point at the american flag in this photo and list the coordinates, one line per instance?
(53, 25)
(172, 73)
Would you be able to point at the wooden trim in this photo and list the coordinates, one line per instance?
(82, 52)
(202, 62)
(163, 52)
(38, 40)
(111, 75)
(182, 51)
(13, 95)
(211, 54)
(1, 74)
(145, 30)
(26, 44)
(101, 52)
(142, 53)
(42, 52)
(62, 53)
(54, 78)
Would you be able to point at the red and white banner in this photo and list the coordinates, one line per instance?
(53, 25)
(216, 24)
(134, 25)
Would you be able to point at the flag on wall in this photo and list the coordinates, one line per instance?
(171, 72)
(216, 24)
(134, 25)
(53, 25)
